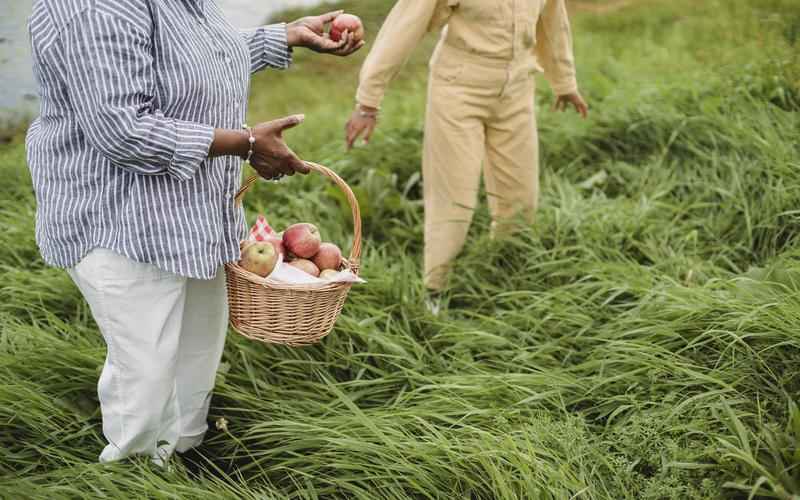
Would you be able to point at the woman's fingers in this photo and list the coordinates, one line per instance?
(323, 43)
(264, 169)
(285, 165)
(582, 108)
(350, 44)
(277, 127)
(369, 130)
(563, 102)
(279, 165)
(353, 131)
(326, 45)
(297, 165)
(330, 16)
(358, 126)
(288, 163)
(352, 47)
(272, 158)
(345, 43)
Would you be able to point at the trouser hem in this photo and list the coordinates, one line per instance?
(188, 441)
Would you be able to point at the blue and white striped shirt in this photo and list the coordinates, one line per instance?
(131, 92)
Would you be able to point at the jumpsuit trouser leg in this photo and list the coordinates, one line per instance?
(475, 118)
(511, 171)
(453, 153)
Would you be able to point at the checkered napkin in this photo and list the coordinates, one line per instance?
(261, 230)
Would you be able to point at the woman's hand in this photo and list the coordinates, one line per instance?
(309, 32)
(363, 121)
(272, 158)
(576, 100)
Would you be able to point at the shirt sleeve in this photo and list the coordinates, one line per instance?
(404, 28)
(108, 69)
(554, 48)
(268, 47)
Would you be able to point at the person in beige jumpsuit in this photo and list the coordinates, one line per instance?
(480, 111)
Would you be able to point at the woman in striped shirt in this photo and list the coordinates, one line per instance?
(135, 158)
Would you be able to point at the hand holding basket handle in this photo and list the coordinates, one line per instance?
(263, 146)
(272, 158)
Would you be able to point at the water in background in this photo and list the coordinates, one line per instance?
(18, 100)
(249, 13)
(17, 86)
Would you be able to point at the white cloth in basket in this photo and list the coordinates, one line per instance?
(284, 273)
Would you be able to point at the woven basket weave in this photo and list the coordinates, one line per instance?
(281, 313)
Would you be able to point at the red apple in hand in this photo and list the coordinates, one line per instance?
(306, 266)
(347, 22)
(259, 258)
(328, 257)
(302, 240)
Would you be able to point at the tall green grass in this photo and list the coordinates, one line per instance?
(640, 341)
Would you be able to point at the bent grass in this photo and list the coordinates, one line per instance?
(640, 341)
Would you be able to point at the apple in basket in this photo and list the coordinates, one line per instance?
(306, 266)
(328, 274)
(347, 22)
(259, 257)
(302, 240)
(328, 257)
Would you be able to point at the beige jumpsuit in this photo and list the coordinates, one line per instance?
(480, 109)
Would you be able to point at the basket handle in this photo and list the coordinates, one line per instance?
(355, 252)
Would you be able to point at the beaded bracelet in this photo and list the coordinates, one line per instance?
(251, 140)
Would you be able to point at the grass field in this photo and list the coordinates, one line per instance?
(642, 341)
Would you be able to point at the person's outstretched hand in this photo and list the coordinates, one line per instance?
(362, 121)
(576, 100)
(272, 158)
(309, 32)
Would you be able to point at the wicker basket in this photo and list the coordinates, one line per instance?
(280, 313)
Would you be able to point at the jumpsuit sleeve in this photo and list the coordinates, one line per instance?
(268, 47)
(407, 23)
(554, 48)
(109, 77)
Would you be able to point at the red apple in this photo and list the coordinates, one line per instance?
(328, 257)
(347, 22)
(302, 240)
(259, 258)
(306, 266)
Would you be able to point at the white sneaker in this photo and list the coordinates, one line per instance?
(435, 304)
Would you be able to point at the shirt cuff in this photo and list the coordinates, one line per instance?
(193, 142)
(565, 87)
(277, 52)
(370, 100)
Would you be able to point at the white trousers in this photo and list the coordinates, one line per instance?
(165, 335)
